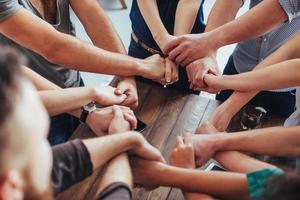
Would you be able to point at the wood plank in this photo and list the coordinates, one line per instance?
(161, 128)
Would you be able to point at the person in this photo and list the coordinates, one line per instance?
(155, 23)
(58, 56)
(272, 34)
(29, 171)
(71, 100)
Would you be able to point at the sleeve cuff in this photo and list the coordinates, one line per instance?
(291, 8)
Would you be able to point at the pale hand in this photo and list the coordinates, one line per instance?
(105, 96)
(128, 87)
(183, 155)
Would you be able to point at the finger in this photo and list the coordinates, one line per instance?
(179, 141)
(117, 112)
(199, 162)
(171, 45)
(121, 89)
(131, 120)
(176, 52)
(180, 58)
(168, 71)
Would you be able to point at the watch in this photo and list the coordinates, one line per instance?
(86, 110)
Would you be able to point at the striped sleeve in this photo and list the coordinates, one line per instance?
(291, 7)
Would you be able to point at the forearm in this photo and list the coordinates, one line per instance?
(66, 100)
(222, 12)
(186, 14)
(52, 45)
(258, 141)
(117, 171)
(284, 75)
(151, 16)
(104, 148)
(103, 34)
(268, 13)
(239, 162)
(196, 196)
(234, 185)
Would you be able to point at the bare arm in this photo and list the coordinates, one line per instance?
(52, 44)
(58, 100)
(258, 141)
(186, 14)
(237, 100)
(283, 75)
(151, 16)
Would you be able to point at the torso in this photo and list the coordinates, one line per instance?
(47, 8)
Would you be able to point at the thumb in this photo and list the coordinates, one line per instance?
(121, 89)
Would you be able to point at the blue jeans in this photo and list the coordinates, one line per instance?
(280, 103)
(182, 84)
(62, 127)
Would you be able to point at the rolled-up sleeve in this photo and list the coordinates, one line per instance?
(291, 7)
(8, 8)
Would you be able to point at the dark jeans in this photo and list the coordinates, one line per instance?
(281, 103)
(182, 84)
(62, 127)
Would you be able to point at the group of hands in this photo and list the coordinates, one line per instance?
(194, 52)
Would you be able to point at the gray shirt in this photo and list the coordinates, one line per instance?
(250, 53)
(58, 74)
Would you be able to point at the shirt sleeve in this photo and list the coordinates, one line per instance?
(71, 164)
(291, 7)
(8, 8)
(258, 180)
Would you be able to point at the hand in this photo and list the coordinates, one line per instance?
(164, 40)
(100, 119)
(146, 151)
(118, 123)
(183, 155)
(106, 96)
(213, 83)
(128, 87)
(203, 146)
(153, 67)
(171, 73)
(197, 70)
(222, 116)
(188, 48)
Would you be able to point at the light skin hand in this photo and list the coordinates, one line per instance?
(153, 67)
(171, 73)
(106, 96)
(100, 119)
(142, 148)
(188, 48)
(198, 69)
(204, 147)
(127, 86)
(182, 155)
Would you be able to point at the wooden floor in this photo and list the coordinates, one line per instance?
(168, 114)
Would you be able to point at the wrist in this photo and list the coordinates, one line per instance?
(143, 69)
(162, 40)
(218, 39)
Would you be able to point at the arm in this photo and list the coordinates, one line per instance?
(51, 44)
(222, 12)
(234, 185)
(258, 141)
(245, 82)
(151, 16)
(186, 14)
(268, 13)
(57, 100)
(224, 113)
(105, 36)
